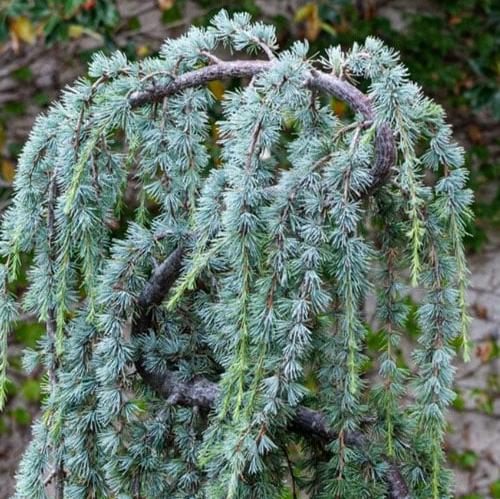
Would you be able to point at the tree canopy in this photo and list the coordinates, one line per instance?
(214, 346)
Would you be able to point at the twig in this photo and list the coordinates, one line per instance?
(50, 477)
(265, 48)
(211, 57)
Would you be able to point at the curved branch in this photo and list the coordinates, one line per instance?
(308, 423)
(198, 77)
(202, 393)
(385, 149)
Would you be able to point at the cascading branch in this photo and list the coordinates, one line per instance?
(207, 338)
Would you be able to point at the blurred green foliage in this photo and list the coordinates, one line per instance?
(57, 20)
(495, 489)
(466, 460)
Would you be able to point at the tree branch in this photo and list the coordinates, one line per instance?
(153, 293)
(202, 393)
(385, 149)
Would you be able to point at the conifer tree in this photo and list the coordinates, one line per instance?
(209, 341)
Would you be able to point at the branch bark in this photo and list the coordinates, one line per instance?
(385, 149)
(202, 393)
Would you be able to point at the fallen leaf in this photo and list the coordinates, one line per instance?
(142, 51)
(8, 170)
(339, 107)
(166, 4)
(217, 88)
(76, 30)
(89, 4)
(304, 12)
(3, 137)
(484, 351)
(480, 311)
(309, 15)
(311, 383)
(215, 132)
(474, 133)
(23, 29)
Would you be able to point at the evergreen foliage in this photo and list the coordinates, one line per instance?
(182, 345)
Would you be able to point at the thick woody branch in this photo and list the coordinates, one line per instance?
(385, 149)
(308, 423)
(202, 393)
(153, 293)
(161, 280)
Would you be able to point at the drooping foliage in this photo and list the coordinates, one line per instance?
(283, 226)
